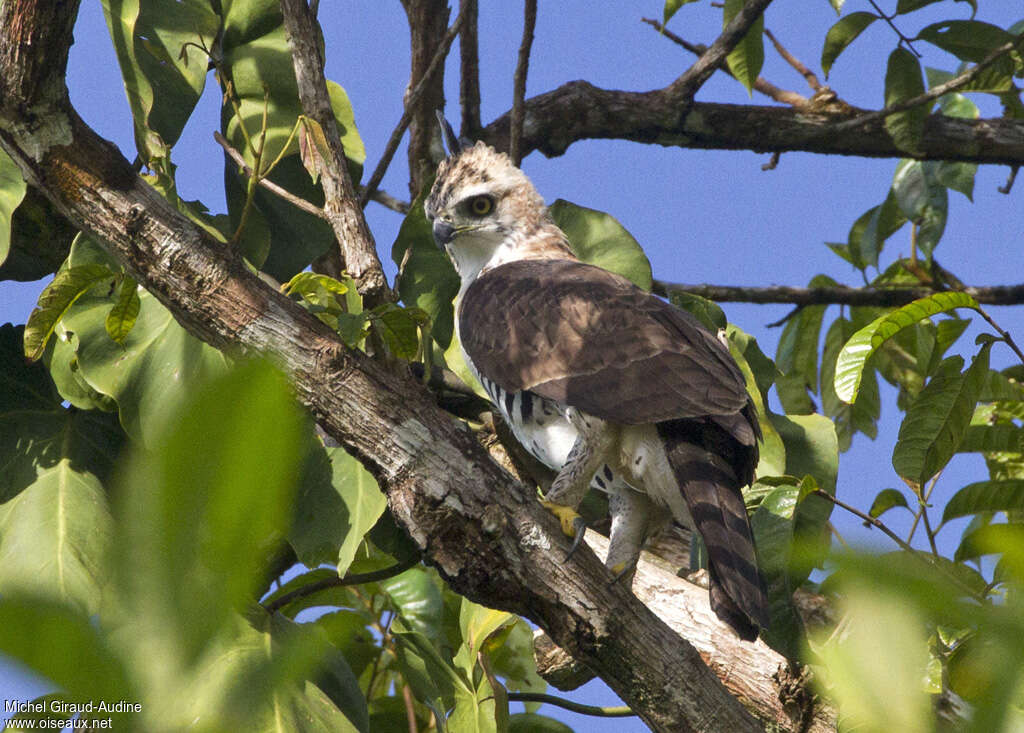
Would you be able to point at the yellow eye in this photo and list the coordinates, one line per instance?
(481, 205)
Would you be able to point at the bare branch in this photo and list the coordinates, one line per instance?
(761, 85)
(519, 81)
(841, 295)
(388, 201)
(801, 68)
(469, 77)
(357, 247)
(686, 86)
(268, 184)
(411, 103)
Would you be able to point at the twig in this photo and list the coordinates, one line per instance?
(288, 196)
(888, 19)
(519, 80)
(410, 105)
(773, 162)
(761, 85)
(410, 709)
(793, 61)
(1004, 335)
(602, 712)
(469, 77)
(337, 581)
(386, 200)
(932, 94)
(686, 86)
(1008, 186)
(868, 519)
(838, 295)
(353, 238)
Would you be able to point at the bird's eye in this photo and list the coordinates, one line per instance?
(481, 205)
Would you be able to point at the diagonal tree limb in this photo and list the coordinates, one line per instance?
(519, 80)
(341, 209)
(484, 531)
(683, 89)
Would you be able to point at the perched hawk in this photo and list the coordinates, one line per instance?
(603, 382)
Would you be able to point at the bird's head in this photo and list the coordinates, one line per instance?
(484, 211)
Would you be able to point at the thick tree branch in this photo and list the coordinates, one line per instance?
(484, 531)
(519, 80)
(427, 22)
(341, 209)
(988, 295)
(578, 111)
(469, 70)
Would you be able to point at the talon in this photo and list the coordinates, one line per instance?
(579, 528)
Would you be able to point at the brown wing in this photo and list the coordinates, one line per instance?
(591, 339)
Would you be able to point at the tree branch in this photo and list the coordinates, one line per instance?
(579, 111)
(412, 103)
(989, 295)
(469, 71)
(686, 86)
(484, 531)
(519, 80)
(341, 209)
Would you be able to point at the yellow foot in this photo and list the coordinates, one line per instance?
(572, 523)
(620, 570)
(568, 517)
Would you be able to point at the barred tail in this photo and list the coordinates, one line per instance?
(711, 488)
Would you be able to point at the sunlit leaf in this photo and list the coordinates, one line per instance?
(936, 421)
(842, 34)
(747, 58)
(12, 191)
(67, 286)
(986, 496)
(706, 311)
(885, 500)
(671, 7)
(599, 239)
(851, 360)
(903, 82)
(125, 311)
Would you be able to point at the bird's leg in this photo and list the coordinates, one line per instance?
(634, 518)
(588, 454)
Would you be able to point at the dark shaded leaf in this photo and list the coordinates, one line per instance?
(885, 500)
(903, 82)
(841, 35)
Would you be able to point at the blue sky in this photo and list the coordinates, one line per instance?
(702, 216)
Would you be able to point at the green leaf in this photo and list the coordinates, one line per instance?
(427, 279)
(884, 221)
(12, 191)
(332, 517)
(992, 438)
(747, 58)
(968, 40)
(706, 311)
(197, 518)
(986, 496)
(863, 414)
(55, 300)
(887, 499)
(163, 70)
(156, 367)
(671, 7)
(842, 34)
(599, 239)
(837, 5)
(433, 680)
(864, 343)
(957, 176)
(773, 525)
(123, 315)
(906, 6)
(936, 421)
(399, 328)
(417, 597)
(64, 646)
(759, 373)
(477, 623)
(876, 678)
(923, 199)
(903, 82)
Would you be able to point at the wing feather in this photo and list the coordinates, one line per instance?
(591, 339)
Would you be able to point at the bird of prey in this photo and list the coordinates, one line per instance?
(605, 383)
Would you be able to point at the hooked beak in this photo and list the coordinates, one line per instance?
(443, 232)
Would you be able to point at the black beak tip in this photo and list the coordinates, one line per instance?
(443, 232)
